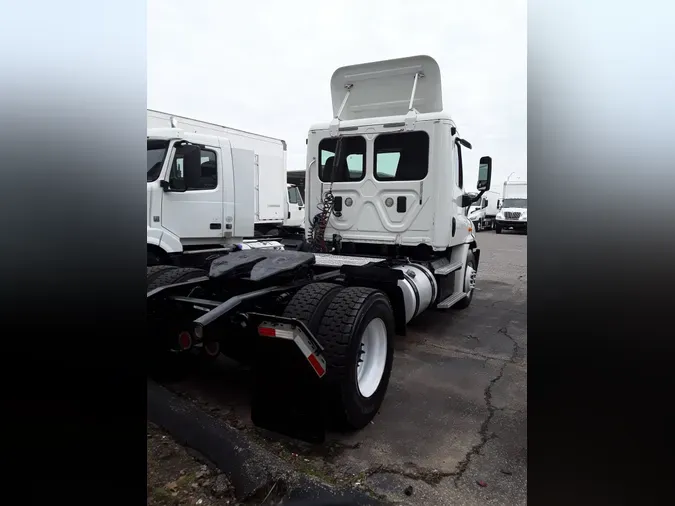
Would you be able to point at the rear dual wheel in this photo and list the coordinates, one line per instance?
(355, 325)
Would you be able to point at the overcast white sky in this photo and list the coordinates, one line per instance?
(265, 66)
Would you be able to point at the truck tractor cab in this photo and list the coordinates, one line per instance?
(387, 237)
(483, 212)
(475, 208)
(385, 177)
(513, 212)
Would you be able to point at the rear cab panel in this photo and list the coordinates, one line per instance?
(399, 182)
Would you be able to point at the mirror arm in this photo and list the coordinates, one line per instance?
(477, 197)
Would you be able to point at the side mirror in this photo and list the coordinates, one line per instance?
(467, 199)
(177, 185)
(484, 174)
(189, 169)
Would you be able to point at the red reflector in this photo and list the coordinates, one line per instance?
(184, 340)
(316, 365)
(267, 331)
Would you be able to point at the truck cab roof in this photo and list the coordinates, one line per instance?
(179, 133)
(379, 93)
(382, 120)
(384, 88)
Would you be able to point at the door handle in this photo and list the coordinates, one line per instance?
(215, 226)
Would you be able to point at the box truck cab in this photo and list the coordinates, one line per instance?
(212, 186)
(513, 213)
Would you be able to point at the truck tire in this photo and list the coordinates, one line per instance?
(357, 332)
(173, 275)
(164, 364)
(466, 301)
(310, 303)
(154, 271)
(498, 228)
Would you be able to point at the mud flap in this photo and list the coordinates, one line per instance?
(288, 371)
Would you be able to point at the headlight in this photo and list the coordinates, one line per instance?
(523, 217)
(500, 216)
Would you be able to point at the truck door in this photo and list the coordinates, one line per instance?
(295, 208)
(383, 194)
(192, 206)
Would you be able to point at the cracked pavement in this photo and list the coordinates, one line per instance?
(453, 426)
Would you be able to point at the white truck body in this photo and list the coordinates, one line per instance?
(240, 193)
(270, 200)
(513, 213)
(484, 211)
(398, 186)
(405, 202)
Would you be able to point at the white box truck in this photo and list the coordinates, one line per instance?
(210, 186)
(274, 207)
(513, 213)
(483, 212)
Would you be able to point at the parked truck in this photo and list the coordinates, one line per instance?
(297, 178)
(483, 212)
(387, 237)
(513, 212)
(275, 207)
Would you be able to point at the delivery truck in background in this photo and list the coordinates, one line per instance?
(277, 206)
(483, 212)
(513, 213)
(211, 188)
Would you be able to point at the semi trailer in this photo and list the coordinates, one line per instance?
(513, 212)
(386, 239)
(198, 211)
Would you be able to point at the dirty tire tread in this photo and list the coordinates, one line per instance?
(310, 302)
(156, 270)
(338, 325)
(177, 275)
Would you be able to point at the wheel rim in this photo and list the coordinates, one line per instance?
(372, 357)
(469, 279)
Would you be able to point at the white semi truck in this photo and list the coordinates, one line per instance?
(483, 212)
(239, 190)
(513, 212)
(387, 237)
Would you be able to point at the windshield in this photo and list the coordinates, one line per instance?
(156, 153)
(515, 203)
